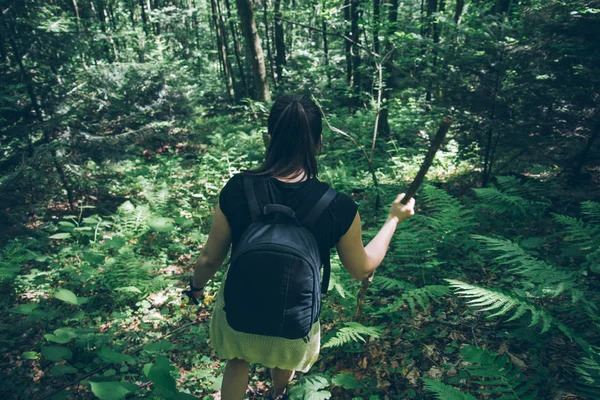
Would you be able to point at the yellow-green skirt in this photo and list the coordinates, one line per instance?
(270, 351)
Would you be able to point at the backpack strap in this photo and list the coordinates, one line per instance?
(318, 209)
(310, 220)
(251, 197)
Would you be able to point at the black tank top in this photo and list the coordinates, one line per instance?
(299, 196)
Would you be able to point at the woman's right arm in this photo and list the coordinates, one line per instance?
(360, 260)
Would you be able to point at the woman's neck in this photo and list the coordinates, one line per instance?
(296, 177)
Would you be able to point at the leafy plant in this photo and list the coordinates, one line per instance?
(310, 387)
(353, 332)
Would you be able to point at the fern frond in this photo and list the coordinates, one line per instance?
(501, 303)
(448, 214)
(12, 257)
(585, 236)
(445, 392)
(588, 384)
(310, 387)
(591, 209)
(421, 296)
(498, 373)
(131, 221)
(386, 283)
(501, 203)
(157, 197)
(353, 332)
(549, 279)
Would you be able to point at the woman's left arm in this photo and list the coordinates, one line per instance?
(215, 250)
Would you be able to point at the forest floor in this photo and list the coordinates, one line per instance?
(95, 307)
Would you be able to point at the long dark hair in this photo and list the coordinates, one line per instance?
(295, 127)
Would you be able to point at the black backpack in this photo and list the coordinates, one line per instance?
(273, 282)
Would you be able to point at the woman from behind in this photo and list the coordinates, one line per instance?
(287, 177)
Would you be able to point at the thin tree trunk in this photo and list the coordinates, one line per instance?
(376, 20)
(237, 49)
(222, 51)
(460, 5)
(144, 18)
(326, 52)
(280, 41)
(348, 44)
(77, 15)
(255, 50)
(384, 126)
(268, 43)
(356, 78)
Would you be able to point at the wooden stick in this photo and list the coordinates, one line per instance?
(410, 192)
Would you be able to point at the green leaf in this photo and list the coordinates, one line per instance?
(160, 375)
(56, 353)
(62, 369)
(115, 243)
(24, 309)
(129, 289)
(69, 297)
(30, 355)
(184, 222)
(158, 346)
(108, 354)
(347, 381)
(61, 336)
(110, 389)
(62, 235)
(161, 224)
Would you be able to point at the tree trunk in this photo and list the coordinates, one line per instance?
(326, 52)
(347, 43)
(355, 50)
(376, 19)
(144, 18)
(255, 50)
(237, 48)
(460, 5)
(384, 126)
(268, 43)
(222, 50)
(280, 41)
(77, 15)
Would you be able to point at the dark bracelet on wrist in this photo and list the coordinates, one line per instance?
(194, 288)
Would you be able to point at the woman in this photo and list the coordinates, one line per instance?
(290, 174)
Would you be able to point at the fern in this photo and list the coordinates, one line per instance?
(448, 215)
(588, 384)
(591, 209)
(445, 392)
(585, 235)
(498, 373)
(310, 387)
(543, 279)
(501, 303)
(353, 332)
(12, 257)
(157, 197)
(511, 197)
(385, 283)
(421, 296)
(502, 203)
(131, 221)
(129, 277)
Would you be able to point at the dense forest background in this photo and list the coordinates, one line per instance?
(120, 120)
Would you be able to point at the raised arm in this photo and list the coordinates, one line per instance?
(214, 251)
(361, 261)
